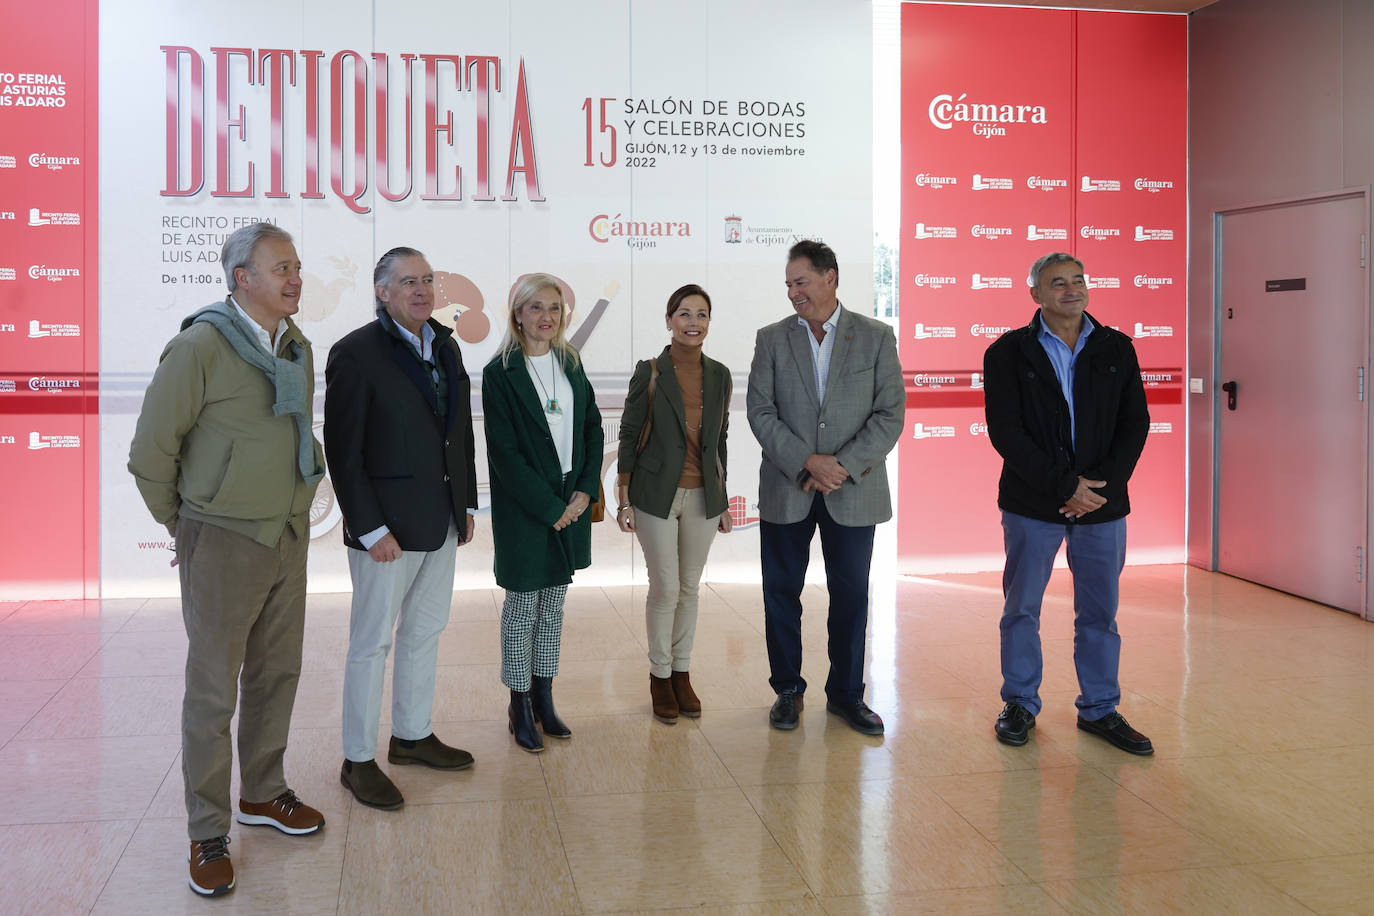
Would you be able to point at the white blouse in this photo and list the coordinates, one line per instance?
(552, 386)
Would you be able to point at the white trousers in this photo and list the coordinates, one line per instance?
(675, 551)
(409, 599)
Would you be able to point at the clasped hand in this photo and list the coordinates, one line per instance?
(826, 474)
(1084, 500)
(576, 506)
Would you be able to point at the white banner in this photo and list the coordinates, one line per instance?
(627, 148)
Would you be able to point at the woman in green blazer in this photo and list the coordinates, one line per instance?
(671, 489)
(544, 446)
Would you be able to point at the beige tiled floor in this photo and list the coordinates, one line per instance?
(1260, 798)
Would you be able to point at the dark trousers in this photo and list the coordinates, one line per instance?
(785, 552)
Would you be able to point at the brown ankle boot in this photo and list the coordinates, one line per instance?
(687, 702)
(665, 703)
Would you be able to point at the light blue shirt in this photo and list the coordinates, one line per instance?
(422, 345)
(1065, 361)
(821, 350)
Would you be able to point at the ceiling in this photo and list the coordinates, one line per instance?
(1136, 6)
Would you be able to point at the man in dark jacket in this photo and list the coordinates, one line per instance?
(398, 436)
(1066, 411)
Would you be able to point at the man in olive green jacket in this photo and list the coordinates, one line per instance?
(224, 457)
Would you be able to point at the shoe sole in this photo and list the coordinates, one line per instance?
(549, 734)
(408, 761)
(213, 892)
(262, 820)
(784, 726)
(690, 715)
(666, 720)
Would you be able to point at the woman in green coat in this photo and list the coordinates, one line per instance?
(544, 446)
(671, 489)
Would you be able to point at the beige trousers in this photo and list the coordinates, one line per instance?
(244, 608)
(675, 551)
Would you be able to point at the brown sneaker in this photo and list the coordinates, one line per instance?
(212, 874)
(687, 702)
(664, 703)
(286, 812)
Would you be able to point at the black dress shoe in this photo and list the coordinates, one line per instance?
(1014, 724)
(1118, 732)
(783, 715)
(857, 715)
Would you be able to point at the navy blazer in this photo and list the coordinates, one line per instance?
(393, 460)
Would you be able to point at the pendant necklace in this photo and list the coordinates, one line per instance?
(550, 403)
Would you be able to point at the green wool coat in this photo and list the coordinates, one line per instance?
(527, 490)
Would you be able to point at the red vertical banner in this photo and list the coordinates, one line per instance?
(1132, 206)
(1004, 159)
(49, 340)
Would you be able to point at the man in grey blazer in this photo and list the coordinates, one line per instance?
(825, 402)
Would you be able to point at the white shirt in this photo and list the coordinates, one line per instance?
(821, 350)
(551, 383)
(263, 338)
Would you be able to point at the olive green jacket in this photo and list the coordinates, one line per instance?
(654, 472)
(207, 445)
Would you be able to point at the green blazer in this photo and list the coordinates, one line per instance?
(527, 490)
(654, 473)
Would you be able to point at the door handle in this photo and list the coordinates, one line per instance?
(1230, 389)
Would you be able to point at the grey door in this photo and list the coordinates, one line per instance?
(1292, 460)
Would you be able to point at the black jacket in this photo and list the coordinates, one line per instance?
(1028, 422)
(392, 459)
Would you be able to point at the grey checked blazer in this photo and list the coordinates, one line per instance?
(859, 423)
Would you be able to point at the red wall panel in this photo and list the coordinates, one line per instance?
(1026, 131)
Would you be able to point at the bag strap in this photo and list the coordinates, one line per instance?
(648, 426)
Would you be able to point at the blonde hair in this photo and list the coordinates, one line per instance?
(521, 295)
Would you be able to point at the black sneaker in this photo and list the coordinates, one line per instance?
(1014, 724)
(784, 714)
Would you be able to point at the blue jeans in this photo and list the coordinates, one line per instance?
(785, 551)
(1096, 554)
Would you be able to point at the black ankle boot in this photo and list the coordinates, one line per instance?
(522, 722)
(541, 699)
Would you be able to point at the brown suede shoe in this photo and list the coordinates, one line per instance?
(370, 785)
(212, 874)
(428, 750)
(687, 702)
(665, 703)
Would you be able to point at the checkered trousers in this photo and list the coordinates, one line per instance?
(531, 633)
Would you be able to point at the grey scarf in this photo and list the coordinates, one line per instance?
(286, 375)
